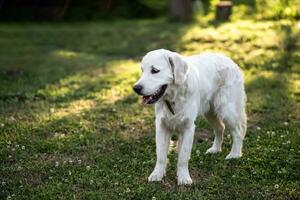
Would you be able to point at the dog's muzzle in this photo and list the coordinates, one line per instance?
(150, 99)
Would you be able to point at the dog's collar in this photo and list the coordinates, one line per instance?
(170, 107)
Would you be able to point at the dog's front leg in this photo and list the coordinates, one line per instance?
(186, 144)
(162, 139)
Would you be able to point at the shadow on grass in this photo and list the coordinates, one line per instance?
(290, 45)
(269, 98)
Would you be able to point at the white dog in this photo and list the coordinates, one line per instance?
(208, 85)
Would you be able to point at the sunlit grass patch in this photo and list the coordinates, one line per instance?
(73, 108)
(125, 76)
(265, 44)
(66, 54)
(108, 83)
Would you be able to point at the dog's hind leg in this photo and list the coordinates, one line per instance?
(230, 105)
(218, 127)
(237, 124)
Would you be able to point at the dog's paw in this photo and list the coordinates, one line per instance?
(213, 150)
(156, 175)
(184, 178)
(233, 156)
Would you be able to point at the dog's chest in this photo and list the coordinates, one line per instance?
(177, 122)
(172, 110)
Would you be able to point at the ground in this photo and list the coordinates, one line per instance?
(71, 126)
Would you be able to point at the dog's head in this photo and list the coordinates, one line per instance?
(160, 68)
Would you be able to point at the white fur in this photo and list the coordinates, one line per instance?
(208, 85)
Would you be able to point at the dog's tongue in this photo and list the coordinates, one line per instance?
(146, 99)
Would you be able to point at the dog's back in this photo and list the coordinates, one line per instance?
(216, 64)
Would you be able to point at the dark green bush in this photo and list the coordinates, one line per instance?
(89, 9)
(38, 10)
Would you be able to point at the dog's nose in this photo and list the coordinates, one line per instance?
(138, 89)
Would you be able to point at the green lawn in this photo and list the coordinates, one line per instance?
(71, 126)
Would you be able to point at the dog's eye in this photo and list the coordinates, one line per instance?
(154, 71)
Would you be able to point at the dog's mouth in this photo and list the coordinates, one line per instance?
(155, 96)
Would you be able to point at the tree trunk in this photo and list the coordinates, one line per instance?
(180, 9)
(223, 11)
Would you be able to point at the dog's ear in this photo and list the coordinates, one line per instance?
(179, 68)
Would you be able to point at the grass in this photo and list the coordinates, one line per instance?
(71, 126)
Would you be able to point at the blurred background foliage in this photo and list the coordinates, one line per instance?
(45, 10)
